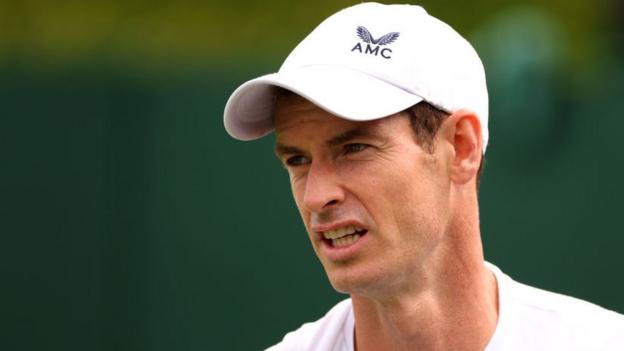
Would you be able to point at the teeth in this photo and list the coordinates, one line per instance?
(345, 241)
(343, 236)
(340, 232)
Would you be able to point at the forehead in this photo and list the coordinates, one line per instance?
(294, 113)
(292, 110)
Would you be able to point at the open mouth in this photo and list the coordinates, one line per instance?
(343, 237)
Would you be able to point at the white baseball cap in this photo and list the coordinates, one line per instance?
(367, 62)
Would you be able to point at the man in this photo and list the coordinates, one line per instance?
(380, 117)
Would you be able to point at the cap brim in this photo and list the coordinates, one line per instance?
(343, 92)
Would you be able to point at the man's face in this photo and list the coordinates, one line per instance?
(374, 202)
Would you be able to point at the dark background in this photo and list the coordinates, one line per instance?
(131, 221)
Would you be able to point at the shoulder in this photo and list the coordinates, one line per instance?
(327, 333)
(548, 319)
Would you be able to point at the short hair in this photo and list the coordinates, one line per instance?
(425, 120)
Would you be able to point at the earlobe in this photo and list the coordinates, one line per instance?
(464, 134)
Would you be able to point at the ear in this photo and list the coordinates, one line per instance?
(462, 130)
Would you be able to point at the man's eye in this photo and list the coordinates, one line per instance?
(351, 148)
(296, 161)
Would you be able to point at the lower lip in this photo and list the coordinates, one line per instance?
(342, 253)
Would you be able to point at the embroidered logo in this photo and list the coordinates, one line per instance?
(374, 46)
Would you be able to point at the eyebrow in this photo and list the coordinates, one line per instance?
(349, 135)
(282, 149)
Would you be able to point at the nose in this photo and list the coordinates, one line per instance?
(323, 191)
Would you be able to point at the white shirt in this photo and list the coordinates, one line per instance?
(529, 319)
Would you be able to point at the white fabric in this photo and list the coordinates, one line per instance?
(530, 319)
(366, 62)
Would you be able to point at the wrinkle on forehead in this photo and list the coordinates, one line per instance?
(294, 110)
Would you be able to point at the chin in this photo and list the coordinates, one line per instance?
(351, 281)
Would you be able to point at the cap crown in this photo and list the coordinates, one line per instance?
(404, 46)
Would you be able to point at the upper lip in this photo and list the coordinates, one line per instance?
(320, 229)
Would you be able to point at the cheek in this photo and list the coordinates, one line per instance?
(408, 198)
(297, 187)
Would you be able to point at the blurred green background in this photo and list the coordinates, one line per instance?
(131, 221)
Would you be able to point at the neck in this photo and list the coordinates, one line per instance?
(455, 308)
